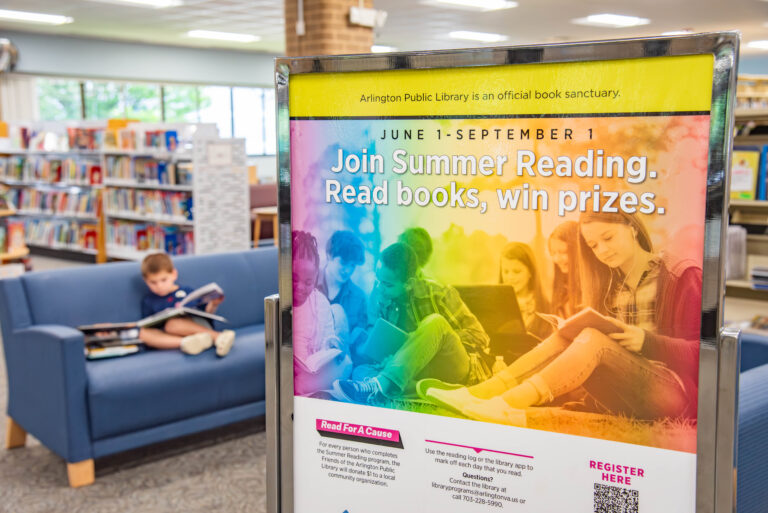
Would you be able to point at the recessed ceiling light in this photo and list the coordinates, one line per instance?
(611, 20)
(35, 17)
(155, 4)
(382, 49)
(223, 36)
(758, 45)
(473, 5)
(483, 37)
(677, 33)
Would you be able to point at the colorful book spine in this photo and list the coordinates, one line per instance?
(762, 174)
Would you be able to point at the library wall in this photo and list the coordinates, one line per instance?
(753, 64)
(328, 31)
(80, 57)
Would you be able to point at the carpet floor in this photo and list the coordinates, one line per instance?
(219, 470)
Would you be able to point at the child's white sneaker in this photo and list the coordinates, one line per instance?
(224, 342)
(197, 343)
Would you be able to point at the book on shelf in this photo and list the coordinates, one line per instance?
(201, 295)
(171, 140)
(95, 176)
(127, 139)
(759, 277)
(5, 203)
(147, 236)
(150, 203)
(57, 202)
(89, 236)
(60, 233)
(14, 236)
(110, 138)
(745, 168)
(142, 242)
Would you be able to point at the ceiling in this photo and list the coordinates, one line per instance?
(410, 25)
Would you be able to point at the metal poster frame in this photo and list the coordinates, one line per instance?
(719, 350)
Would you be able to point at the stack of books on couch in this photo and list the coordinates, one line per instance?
(109, 340)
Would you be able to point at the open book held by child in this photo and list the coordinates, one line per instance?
(174, 316)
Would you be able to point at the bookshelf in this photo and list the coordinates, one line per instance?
(742, 300)
(149, 197)
(751, 123)
(123, 190)
(56, 197)
(752, 92)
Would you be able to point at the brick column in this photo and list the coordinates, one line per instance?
(327, 29)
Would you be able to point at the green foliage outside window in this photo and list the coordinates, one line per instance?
(183, 103)
(58, 100)
(142, 102)
(104, 100)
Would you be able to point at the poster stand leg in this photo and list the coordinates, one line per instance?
(729, 351)
(272, 378)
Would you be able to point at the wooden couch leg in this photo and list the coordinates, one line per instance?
(15, 436)
(81, 473)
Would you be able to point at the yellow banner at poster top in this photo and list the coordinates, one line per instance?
(656, 84)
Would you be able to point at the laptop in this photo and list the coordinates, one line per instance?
(495, 306)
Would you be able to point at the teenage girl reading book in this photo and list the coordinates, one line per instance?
(647, 370)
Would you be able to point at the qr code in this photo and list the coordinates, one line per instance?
(613, 499)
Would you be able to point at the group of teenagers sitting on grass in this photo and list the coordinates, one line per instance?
(646, 367)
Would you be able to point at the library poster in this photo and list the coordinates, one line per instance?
(497, 277)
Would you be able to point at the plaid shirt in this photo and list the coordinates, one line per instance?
(636, 306)
(426, 297)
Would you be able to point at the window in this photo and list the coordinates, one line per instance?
(58, 99)
(181, 104)
(142, 102)
(104, 100)
(248, 117)
(218, 108)
(270, 123)
(247, 112)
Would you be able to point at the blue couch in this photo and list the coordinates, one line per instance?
(82, 409)
(752, 481)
